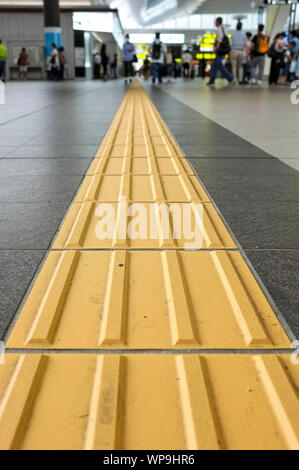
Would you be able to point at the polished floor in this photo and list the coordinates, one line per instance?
(145, 343)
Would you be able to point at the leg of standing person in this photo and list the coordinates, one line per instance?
(61, 72)
(261, 66)
(160, 72)
(2, 70)
(154, 71)
(131, 69)
(245, 70)
(253, 68)
(240, 59)
(233, 61)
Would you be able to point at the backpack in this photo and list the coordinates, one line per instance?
(263, 44)
(224, 47)
(156, 51)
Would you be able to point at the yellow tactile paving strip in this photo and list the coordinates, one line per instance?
(105, 287)
(147, 306)
(149, 402)
(79, 231)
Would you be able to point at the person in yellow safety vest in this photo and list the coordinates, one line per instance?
(3, 55)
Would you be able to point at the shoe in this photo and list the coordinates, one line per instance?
(252, 81)
(232, 82)
(210, 84)
(259, 82)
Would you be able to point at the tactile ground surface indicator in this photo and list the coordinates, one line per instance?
(106, 350)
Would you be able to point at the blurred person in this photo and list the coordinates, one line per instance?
(169, 64)
(237, 54)
(222, 48)
(202, 68)
(246, 63)
(62, 63)
(114, 66)
(97, 65)
(146, 69)
(295, 40)
(296, 57)
(3, 57)
(128, 58)
(158, 53)
(286, 64)
(23, 64)
(104, 62)
(54, 61)
(187, 59)
(276, 53)
(260, 46)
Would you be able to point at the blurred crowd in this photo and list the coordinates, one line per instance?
(238, 57)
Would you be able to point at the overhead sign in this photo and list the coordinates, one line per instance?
(147, 38)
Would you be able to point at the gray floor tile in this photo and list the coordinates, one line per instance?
(257, 225)
(29, 226)
(16, 271)
(60, 188)
(55, 151)
(6, 149)
(279, 271)
(43, 166)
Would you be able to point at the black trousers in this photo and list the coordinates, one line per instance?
(129, 72)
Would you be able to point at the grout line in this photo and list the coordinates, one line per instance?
(147, 351)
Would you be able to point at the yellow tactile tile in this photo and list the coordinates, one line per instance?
(144, 299)
(83, 221)
(139, 166)
(142, 188)
(147, 402)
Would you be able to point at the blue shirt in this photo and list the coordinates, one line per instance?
(238, 40)
(296, 40)
(128, 51)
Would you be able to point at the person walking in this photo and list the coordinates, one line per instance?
(222, 48)
(187, 59)
(104, 62)
(113, 67)
(3, 56)
(62, 63)
(97, 65)
(246, 63)
(277, 58)
(260, 46)
(23, 64)
(54, 61)
(158, 53)
(169, 64)
(128, 58)
(237, 55)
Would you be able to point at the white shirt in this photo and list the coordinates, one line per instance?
(187, 58)
(169, 58)
(219, 33)
(55, 54)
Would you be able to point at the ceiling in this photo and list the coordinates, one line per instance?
(226, 6)
(134, 13)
